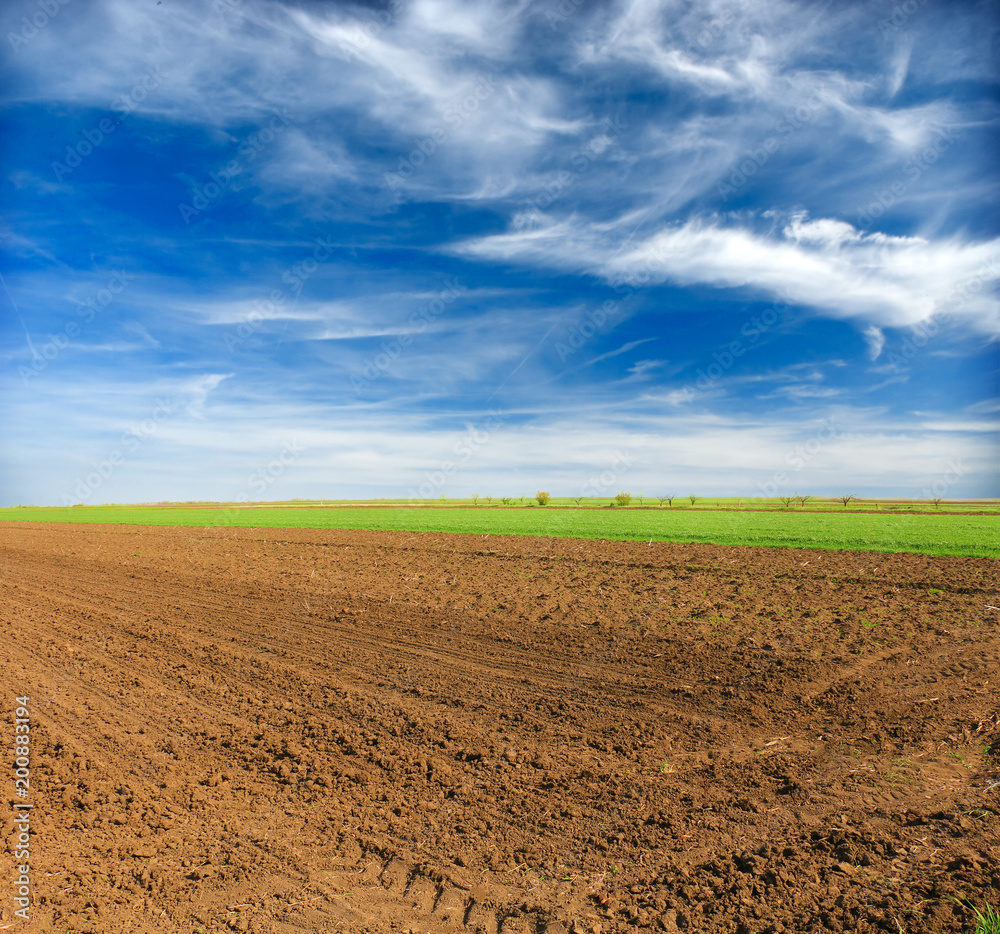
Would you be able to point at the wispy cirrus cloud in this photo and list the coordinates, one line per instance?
(825, 264)
(672, 225)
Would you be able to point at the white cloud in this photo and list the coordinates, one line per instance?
(966, 426)
(827, 232)
(900, 65)
(699, 89)
(876, 341)
(361, 450)
(198, 389)
(625, 348)
(825, 264)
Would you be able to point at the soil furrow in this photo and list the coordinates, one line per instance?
(315, 730)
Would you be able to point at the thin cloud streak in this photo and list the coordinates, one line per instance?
(681, 229)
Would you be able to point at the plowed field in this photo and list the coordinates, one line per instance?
(313, 730)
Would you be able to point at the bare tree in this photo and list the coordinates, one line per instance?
(846, 498)
(693, 498)
(787, 500)
(669, 500)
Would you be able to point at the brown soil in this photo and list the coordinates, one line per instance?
(311, 730)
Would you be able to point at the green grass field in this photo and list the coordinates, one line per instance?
(947, 533)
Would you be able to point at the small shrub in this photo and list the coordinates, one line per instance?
(542, 497)
(623, 498)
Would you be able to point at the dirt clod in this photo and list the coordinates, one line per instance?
(315, 730)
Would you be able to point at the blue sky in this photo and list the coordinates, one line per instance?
(263, 250)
